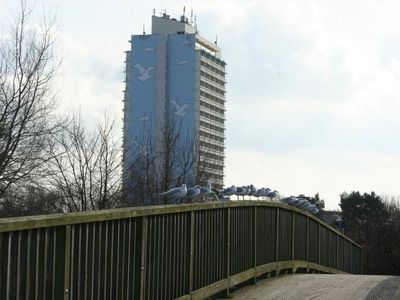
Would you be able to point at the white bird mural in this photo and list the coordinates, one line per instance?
(148, 49)
(180, 110)
(144, 73)
(182, 62)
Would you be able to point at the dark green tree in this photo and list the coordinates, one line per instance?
(317, 201)
(373, 223)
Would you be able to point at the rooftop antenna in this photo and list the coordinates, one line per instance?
(195, 22)
(184, 8)
(154, 11)
(216, 40)
(191, 17)
(144, 30)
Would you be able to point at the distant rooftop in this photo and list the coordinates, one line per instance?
(167, 25)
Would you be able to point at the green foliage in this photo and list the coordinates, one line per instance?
(373, 223)
(317, 201)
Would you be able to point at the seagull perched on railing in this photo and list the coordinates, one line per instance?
(260, 192)
(223, 197)
(241, 191)
(205, 190)
(229, 191)
(253, 190)
(193, 192)
(176, 193)
(290, 200)
(273, 194)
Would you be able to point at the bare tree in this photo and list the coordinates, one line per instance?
(160, 163)
(27, 68)
(85, 166)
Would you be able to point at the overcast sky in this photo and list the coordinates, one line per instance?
(313, 98)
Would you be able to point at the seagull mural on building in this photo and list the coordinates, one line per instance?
(182, 62)
(148, 49)
(180, 109)
(144, 73)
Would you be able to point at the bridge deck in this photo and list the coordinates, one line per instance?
(322, 286)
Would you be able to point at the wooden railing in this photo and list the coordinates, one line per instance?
(188, 251)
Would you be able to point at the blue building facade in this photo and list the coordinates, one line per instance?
(170, 84)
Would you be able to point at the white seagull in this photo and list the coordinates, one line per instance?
(193, 192)
(144, 73)
(229, 191)
(260, 192)
(241, 191)
(176, 193)
(205, 190)
(253, 190)
(273, 194)
(180, 110)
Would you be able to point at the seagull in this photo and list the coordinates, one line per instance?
(176, 193)
(229, 191)
(205, 190)
(304, 205)
(301, 203)
(260, 192)
(144, 73)
(180, 110)
(193, 192)
(315, 211)
(253, 190)
(292, 200)
(241, 191)
(223, 197)
(273, 194)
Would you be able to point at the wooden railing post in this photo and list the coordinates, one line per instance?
(255, 243)
(143, 257)
(293, 230)
(319, 243)
(67, 265)
(277, 236)
(337, 251)
(351, 258)
(191, 263)
(228, 248)
(307, 238)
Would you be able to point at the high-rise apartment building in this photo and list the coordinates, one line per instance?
(175, 75)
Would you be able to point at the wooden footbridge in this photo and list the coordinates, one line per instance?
(189, 251)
